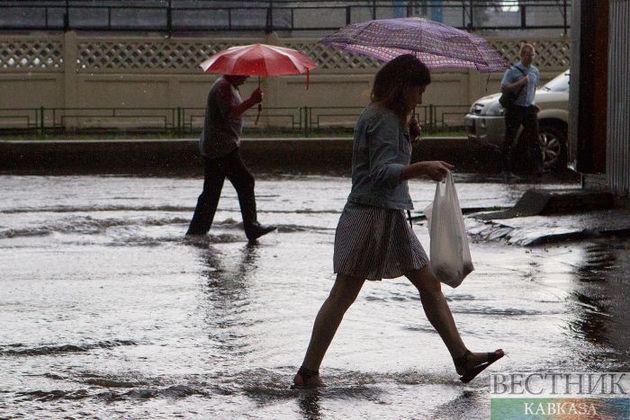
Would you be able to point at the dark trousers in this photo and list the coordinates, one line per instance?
(514, 118)
(215, 171)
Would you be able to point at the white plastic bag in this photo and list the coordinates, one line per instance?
(449, 252)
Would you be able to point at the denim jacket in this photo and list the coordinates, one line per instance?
(381, 150)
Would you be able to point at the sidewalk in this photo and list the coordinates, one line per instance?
(302, 154)
(538, 230)
(545, 216)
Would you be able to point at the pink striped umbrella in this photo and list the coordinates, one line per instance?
(437, 45)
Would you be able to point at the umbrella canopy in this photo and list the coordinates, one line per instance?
(434, 43)
(258, 60)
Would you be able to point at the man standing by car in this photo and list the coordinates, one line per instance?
(219, 146)
(522, 78)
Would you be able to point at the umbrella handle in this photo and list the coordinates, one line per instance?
(258, 115)
(259, 106)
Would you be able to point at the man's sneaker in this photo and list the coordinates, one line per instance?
(509, 177)
(256, 231)
(536, 176)
(195, 234)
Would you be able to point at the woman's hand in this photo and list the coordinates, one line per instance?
(434, 169)
(414, 129)
(437, 169)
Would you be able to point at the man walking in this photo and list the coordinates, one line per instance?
(219, 146)
(522, 78)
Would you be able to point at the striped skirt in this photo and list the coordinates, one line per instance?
(374, 243)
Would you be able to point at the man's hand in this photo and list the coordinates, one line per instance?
(516, 85)
(256, 96)
(524, 80)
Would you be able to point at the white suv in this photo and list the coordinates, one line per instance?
(485, 123)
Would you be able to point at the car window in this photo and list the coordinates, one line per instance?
(559, 83)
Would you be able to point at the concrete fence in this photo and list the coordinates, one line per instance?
(74, 72)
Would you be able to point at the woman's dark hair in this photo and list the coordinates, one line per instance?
(395, 78)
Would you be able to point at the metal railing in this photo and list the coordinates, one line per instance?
(168, 16)
(181, 121)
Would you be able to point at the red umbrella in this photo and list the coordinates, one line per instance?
(259, 60)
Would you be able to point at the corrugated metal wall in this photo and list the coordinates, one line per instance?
(618, 137)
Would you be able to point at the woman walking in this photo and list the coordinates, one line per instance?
(373, 240)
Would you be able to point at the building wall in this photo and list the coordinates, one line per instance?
(301, 15)
(88, 70)
(618, 133)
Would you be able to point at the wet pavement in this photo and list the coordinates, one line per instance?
(537, 230)
(108, 311)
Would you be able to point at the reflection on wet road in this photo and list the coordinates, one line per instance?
(107, 311)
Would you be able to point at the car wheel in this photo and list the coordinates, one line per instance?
(553, 145)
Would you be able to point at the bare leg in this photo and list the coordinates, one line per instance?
(342, 295)
(440, 316)
(437, 310)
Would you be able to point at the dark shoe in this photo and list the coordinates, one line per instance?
(509, 177)
(195, 234)
(256, 231)
(535, 177)
(468, 371)
(306, 378)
